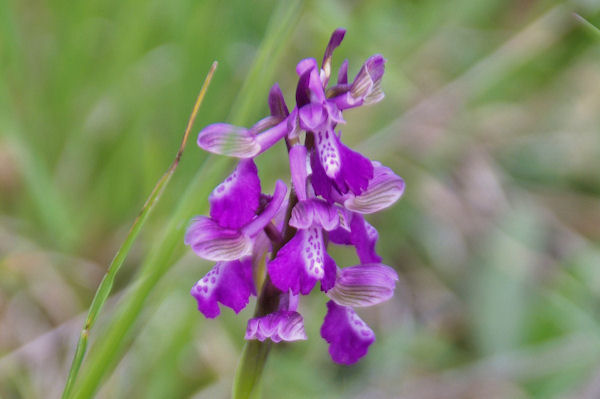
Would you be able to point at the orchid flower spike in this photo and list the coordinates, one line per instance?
(278, 244)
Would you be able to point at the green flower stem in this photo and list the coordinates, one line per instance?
(106, 284)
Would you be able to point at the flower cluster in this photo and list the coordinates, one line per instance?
(333, 187)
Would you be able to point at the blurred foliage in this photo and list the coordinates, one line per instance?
(491, 116)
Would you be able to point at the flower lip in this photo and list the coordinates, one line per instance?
(348, 336)
(228, 283)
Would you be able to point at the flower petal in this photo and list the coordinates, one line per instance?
(299, 263)
(225, 139)
(336, 39)
(327, 144)
(382, 191)
(348, 336)
(213, 242)
(279, 326)
(364, 285)
(366, 85)
(234, 202)
(362, 235)
(356, 170)
(229, 283)
(364, 238)
(312, 116)
(314, 212)
(298, 170)
(269, 137)
(259, 223)
(310, 87)
(343, 73)
(277, 104)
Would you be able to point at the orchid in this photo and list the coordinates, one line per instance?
(332, 188)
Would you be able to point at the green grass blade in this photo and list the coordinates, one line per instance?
(106, 284)
(593, 29)
(106, 353)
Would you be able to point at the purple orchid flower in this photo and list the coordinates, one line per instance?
(333, 186)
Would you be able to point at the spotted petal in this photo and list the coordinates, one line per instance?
(234, 202)
(301, 262)
(348, 336)
(337, 168)
(228, 283)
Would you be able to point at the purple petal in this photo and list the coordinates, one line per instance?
(382, 191)
(320, 182)
(288, 301)
(310, 87)
(356, 170)
(362, 235)
(303, 88)
(293, 124)
(299, 263)
(225, 139)
(305, 65)
(213, 242)
(314, 212)
(348, 169)
(312, 116)
(364, 285)
(343, 73)
(269, 137)
(348, 336)
(327, 144)
(367, 84)
(229, 283)
(364, 238)
(277, 102)
(336, 39)
(265, 123)
(340, 236)
(279, 326)
(259, 223)
(329, 273)
(234, 202)
(298, 170)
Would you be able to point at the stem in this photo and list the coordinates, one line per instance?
(255, 353)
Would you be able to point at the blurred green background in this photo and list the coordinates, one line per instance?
(492, 116)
